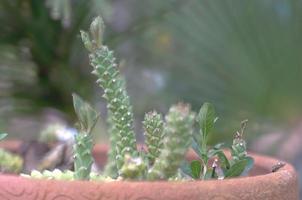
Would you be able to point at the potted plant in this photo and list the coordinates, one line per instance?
(160, 172)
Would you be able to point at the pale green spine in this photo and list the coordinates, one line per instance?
(178, 136)
(109, 78)
(154, 134)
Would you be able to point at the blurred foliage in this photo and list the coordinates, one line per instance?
(241, 55)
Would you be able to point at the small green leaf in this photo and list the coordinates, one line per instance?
(249, 166)
(196, 147)
(186, 168)
(86, 114)
(237, 168)
(196, 169)
(224, 162)
(206, 119)
(208, 174)
(3, 135)
(218, 146)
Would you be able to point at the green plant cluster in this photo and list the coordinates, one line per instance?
(213, 162)
(167, 141)
(9, 163)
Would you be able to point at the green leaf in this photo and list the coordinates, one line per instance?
(236, 169)
(218, 146)
(206, 119)
(224, 162)
(208, 174)
(3, 135)
(249, 166)
(196, 147)
(86, 114)
(186, 168)
(196, 169)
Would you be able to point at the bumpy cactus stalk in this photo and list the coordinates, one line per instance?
(178, 134)
(238, 149)
(109, 78)
(154, 134)
(111, 167)
(83, 140)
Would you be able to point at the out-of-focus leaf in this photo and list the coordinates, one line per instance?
(3, 135)
(249, 166)
(186, 168)
(208, 174)
(86, 114)
(196, 147)
(224, 162)
(236, 169)
(206, 119)
(218, 146)
(196, 169)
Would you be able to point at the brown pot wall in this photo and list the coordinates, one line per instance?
(279, 185)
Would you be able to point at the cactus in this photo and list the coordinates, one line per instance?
(111, 81)
(154, 134)
(167, 142)
(111, 167)
(178, 133)
(83, 140)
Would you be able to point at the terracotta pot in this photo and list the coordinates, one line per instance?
(261, 184)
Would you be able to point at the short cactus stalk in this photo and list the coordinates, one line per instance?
(178, 131)
(83, 141)
(154, 135)
(113, 84)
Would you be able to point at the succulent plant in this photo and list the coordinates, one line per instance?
(83, 140)
(154, 134)
(10, 163)
(178, 133)
(213, 162)
(111, 81)
(167, 141)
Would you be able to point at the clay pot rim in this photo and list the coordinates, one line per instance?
(265, 162)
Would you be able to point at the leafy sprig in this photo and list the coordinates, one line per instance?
(213, 162)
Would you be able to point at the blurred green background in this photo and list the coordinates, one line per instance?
(244, 56)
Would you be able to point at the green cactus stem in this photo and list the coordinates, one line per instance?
(113, 84)
(111, 166)
(178, 136)
(154, 134)
(83, 141)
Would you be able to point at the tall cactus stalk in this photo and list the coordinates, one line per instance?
(154, 134)
(83, 141)
(113, 84)
(178, 135)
